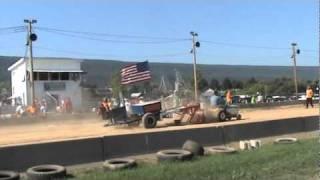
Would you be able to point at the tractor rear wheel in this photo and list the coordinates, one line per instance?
(149, 121)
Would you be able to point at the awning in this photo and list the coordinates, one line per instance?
(11, 97)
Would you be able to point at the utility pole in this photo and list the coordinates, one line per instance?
(31, 37)
(195, 44)
(294, 54)
(319, 69)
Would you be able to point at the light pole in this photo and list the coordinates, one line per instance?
(195, 45)
(31, 37)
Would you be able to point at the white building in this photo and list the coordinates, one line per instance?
(54, 79)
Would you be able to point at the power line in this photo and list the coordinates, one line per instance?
(309, 50)
(239, 45)
(95, 54)
(258, 57)
(113, 41)
(167, 55)
(12, 28)
(70, 52)
(14, 32)
(93, 35)
(244, 45)
(109, 35)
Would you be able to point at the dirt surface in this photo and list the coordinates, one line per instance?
(26, 131)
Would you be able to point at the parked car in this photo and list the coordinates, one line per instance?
(302, 98)
(279, 98)
(245, 99)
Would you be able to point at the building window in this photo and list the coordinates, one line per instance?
(75, 76)
(35, 76)
(43, 76)
(64, 76)
(54, 86)
(54, 76)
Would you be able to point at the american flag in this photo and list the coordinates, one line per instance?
(135, 73)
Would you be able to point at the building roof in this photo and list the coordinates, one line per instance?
(51, 64)
(13, 66)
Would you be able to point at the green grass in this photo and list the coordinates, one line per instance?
(295, 161)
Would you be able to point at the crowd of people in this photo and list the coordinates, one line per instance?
(32, 110)
(41, 108)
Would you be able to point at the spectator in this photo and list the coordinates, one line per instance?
(32, 110)
(253, 99)
(63, 105)
(43, 108)
(260, 99)
(20, 111)
(309, 95)
(68, 105)
(104, 109)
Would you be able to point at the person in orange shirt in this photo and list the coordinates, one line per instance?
(32, 110)
(309, 95)
(229, 97)
(104, 109)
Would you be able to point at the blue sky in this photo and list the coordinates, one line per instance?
(230, 32)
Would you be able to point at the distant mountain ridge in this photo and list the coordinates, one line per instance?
(99, 72)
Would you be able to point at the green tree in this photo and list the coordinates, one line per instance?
(214, 84)
(134, 89)
(237, 84)
(282, 86)
(201, 82)
(147, 88)
(116, 85)
(251, 81)
(257, 87)
(226, 83)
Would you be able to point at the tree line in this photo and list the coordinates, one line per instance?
(277, 86)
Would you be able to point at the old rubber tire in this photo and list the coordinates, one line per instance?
(194, 147)
(239, 117)
(46, 172)
(221, 150)
(9, 175)
(286, 140)
(222, 116)
(174, 155)
(149, 121)
(119, 163)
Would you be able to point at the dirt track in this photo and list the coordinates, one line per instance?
(53, 130)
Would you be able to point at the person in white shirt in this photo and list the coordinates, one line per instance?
(20, 110)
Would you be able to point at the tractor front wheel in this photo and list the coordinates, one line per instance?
(222, 116)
